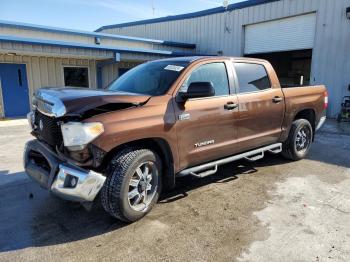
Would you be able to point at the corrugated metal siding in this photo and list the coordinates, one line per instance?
(47, 71)
(42, 50)
(224, 32)
(110, 72)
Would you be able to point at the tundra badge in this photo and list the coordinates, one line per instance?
(204, 143)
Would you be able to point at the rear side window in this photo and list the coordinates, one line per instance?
(213, 72)
(251, 77)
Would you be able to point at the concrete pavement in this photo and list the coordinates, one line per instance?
(270, 210)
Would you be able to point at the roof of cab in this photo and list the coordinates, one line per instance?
(190, 59)
(187, 59)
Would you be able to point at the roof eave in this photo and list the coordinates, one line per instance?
(93, 34)
(206, 12)
(36, 41)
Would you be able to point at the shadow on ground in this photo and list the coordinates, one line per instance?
(30, 217)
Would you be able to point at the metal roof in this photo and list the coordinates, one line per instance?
(211, 11)
(36, 41)
(92, 34)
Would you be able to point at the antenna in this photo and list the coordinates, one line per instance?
(225, 4)
(153, 8)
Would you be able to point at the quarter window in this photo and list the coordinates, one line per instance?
(214, 73)
(251, 77)
(76, 76)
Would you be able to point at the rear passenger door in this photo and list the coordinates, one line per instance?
(206, 126)
(261, 106)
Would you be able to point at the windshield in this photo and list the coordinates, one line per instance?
(152, 78)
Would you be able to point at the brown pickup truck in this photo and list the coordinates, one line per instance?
(162, 120)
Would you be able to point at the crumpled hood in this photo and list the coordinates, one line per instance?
(76, 101)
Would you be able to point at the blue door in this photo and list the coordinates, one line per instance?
(14, 87)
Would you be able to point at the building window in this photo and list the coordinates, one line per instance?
(76, 76)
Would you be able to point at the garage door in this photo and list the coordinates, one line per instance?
(293, 33)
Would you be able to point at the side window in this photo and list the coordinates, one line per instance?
(251, 77)
(215, 73)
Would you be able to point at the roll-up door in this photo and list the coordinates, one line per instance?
(293, 33)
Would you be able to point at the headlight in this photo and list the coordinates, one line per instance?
(77, 135)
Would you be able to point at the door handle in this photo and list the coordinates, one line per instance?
(277, 99)
(19, 77)
(230, 106)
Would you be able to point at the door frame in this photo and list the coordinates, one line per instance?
(274, 86)
(28, 85)
(175, 89)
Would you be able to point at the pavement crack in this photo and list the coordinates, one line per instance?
(336, 208)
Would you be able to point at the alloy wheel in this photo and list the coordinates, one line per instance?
(143, 186)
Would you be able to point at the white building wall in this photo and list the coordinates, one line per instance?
(111, 72)
(225, 32)
(46, 71)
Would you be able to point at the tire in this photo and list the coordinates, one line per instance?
(123, 173)
(292, 146)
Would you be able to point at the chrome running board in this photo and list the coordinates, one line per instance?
(212, 167)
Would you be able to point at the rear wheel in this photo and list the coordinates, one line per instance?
(299, 141)
(133, 184)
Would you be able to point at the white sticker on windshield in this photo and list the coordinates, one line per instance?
(174, 68)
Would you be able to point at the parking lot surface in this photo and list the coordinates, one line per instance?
(269, 210)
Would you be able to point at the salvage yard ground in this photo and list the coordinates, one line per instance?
(270, 210)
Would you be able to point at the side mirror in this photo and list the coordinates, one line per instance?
(196, 90)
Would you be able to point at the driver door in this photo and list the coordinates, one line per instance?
(206, 126)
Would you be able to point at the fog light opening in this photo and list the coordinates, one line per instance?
(71, 181)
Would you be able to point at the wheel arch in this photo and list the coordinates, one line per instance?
(156, 144)
(310, 115)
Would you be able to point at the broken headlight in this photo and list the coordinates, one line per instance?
(77, 135)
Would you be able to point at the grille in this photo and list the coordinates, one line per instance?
(48, 129)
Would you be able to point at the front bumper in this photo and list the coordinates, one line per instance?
(60, 177)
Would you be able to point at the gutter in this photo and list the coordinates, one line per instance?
(64, 44)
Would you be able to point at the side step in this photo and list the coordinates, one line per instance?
(211, 167)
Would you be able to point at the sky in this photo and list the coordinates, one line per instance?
(91, 14)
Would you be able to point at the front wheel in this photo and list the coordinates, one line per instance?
(133, 184)
(299, 141)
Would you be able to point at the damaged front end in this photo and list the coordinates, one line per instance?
(62, 158)
(61, 177)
